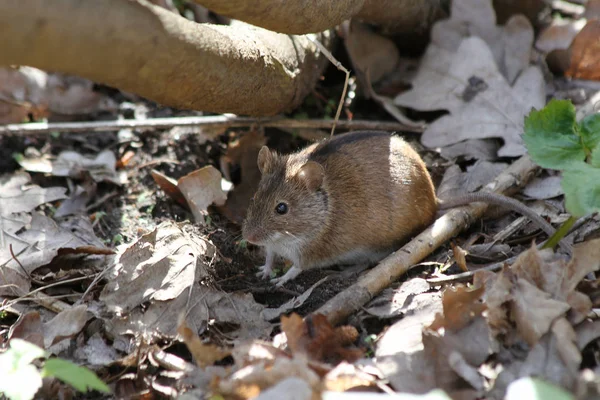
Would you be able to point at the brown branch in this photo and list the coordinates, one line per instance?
(398, 263)
(287, 16)
(142, 48)
(402, 16)
(222, 121)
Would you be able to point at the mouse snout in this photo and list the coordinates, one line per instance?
(252, 235)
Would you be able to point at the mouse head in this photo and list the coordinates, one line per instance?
(290, 205)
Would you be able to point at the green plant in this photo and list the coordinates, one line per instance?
(21, 379)
(555, 140)
(536, 389)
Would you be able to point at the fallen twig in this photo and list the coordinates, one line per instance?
(221, 121)
(398, 263)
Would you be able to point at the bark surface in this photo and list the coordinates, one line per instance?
(138, 47)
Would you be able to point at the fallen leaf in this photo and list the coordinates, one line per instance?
(102, 168)
(18, 196)
(559, 35)
(202, 188)
(318, 340)
(459, 254)
(471, 149)
(204, 354)
(78, 199)
(159, 266)
(543, 188)
(270, 314)
(169, 186)
(30, 91)
(534, 311)
(496, 110)
(585, 53)
(346, 376)
(461, 72)
(154, 278)
(370, 52)
(400, 354)
(249, 381)
(28, 327)
(461, 305)
(65, 325)
(22, 94)
(96, 352)
(242, 153)
(592, 9)
(456, 182)
(291, 388)
(72, 95)
(410, 297)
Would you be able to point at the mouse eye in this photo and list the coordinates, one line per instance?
(281, 208)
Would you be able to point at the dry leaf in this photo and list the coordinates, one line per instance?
(543, 188)
(345, 377)
(370, 52)
(169, 186)
(153, 279)
(459, 255)
(456, 182)
(271, 313)
(96, 352)
(461, 72)
(410, 297)
(28, 327)
(39, 238)
(559, 35)
(534, 311)
(461, 305)
(592, 9)
(585, 53)
(318, 340)
(65, 325)
(480, 100)
(244, 154)
(22, 94)
(204, 354)
(202, 188)
(250, 380)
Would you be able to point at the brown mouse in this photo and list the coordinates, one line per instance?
(351, 199)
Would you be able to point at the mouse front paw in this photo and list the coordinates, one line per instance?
(264, 271)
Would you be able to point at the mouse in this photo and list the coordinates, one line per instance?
(351, 199)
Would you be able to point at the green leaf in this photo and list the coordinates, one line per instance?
(595, 157)
(536, 389)
(589, 129)
(80, 378)
(551, 136)
(581, 184)
(20, 380)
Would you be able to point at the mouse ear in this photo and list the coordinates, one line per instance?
(311, 174)
(265, 159)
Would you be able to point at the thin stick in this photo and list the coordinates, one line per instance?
(340, 67)
(392, 267)
(219, 121)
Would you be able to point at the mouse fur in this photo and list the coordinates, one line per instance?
(354, 198)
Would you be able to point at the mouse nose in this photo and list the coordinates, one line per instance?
(250, 236)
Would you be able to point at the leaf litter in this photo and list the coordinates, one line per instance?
(162, 288)
(480, 74)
